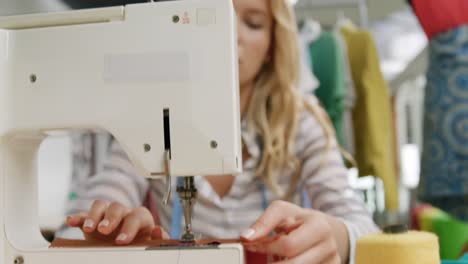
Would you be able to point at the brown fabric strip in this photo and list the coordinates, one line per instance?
(70, 243)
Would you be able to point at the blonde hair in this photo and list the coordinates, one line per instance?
(276, 103)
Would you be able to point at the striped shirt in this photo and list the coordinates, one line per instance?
(215, 217)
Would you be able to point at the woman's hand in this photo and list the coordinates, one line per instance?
(118, 223)
(303, 235)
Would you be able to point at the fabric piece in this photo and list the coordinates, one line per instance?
(77, 243)
(438, 16)
(444, 165)
(452, 234)
(328, 67)
(372, 114)
(455, 205)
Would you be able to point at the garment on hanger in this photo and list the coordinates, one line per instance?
(372, 113)
(349, 100)
(444, 163)
(328, 67)
(308, 83)
(309, 32)
(444, 167)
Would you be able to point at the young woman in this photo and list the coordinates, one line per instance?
(289, 150)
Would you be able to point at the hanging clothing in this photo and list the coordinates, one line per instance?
(444, 163)
(372, 113)
(308, 83)
(438, 16)
(349, 100)
(444, 171)
(309, 32)
(328, 67)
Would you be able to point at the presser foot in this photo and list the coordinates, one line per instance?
(187, 193)
(188, 238)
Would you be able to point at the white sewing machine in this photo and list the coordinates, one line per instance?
(161, 77)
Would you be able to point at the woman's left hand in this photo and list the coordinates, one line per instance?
(303, 235)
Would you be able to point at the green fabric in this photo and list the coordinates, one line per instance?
(329, 67)
(453, 234)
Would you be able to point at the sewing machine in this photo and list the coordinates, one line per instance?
(161, 77)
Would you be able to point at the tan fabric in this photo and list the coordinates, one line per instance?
(372, 114)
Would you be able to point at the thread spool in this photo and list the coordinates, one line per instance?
(397, 245)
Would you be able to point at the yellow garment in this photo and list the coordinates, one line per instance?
(407, 248)
(372, 114)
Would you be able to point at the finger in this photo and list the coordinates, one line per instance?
(288, 225)
(138, 221)
(311, 233)
(94, 216)
(270, 219)
(159, 233)
(112, 218)
(316, 255)
(76, 220)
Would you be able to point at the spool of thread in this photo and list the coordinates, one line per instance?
(396, 245)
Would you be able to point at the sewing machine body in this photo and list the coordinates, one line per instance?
(226, 254)
(161, 77)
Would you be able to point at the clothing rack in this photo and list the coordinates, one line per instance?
(361, 5)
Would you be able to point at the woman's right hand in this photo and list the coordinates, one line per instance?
(117, 223)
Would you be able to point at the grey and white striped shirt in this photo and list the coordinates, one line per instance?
(327, 187)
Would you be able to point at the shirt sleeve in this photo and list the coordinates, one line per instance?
(326, 181)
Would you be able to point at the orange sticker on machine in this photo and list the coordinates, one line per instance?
(186, 18)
